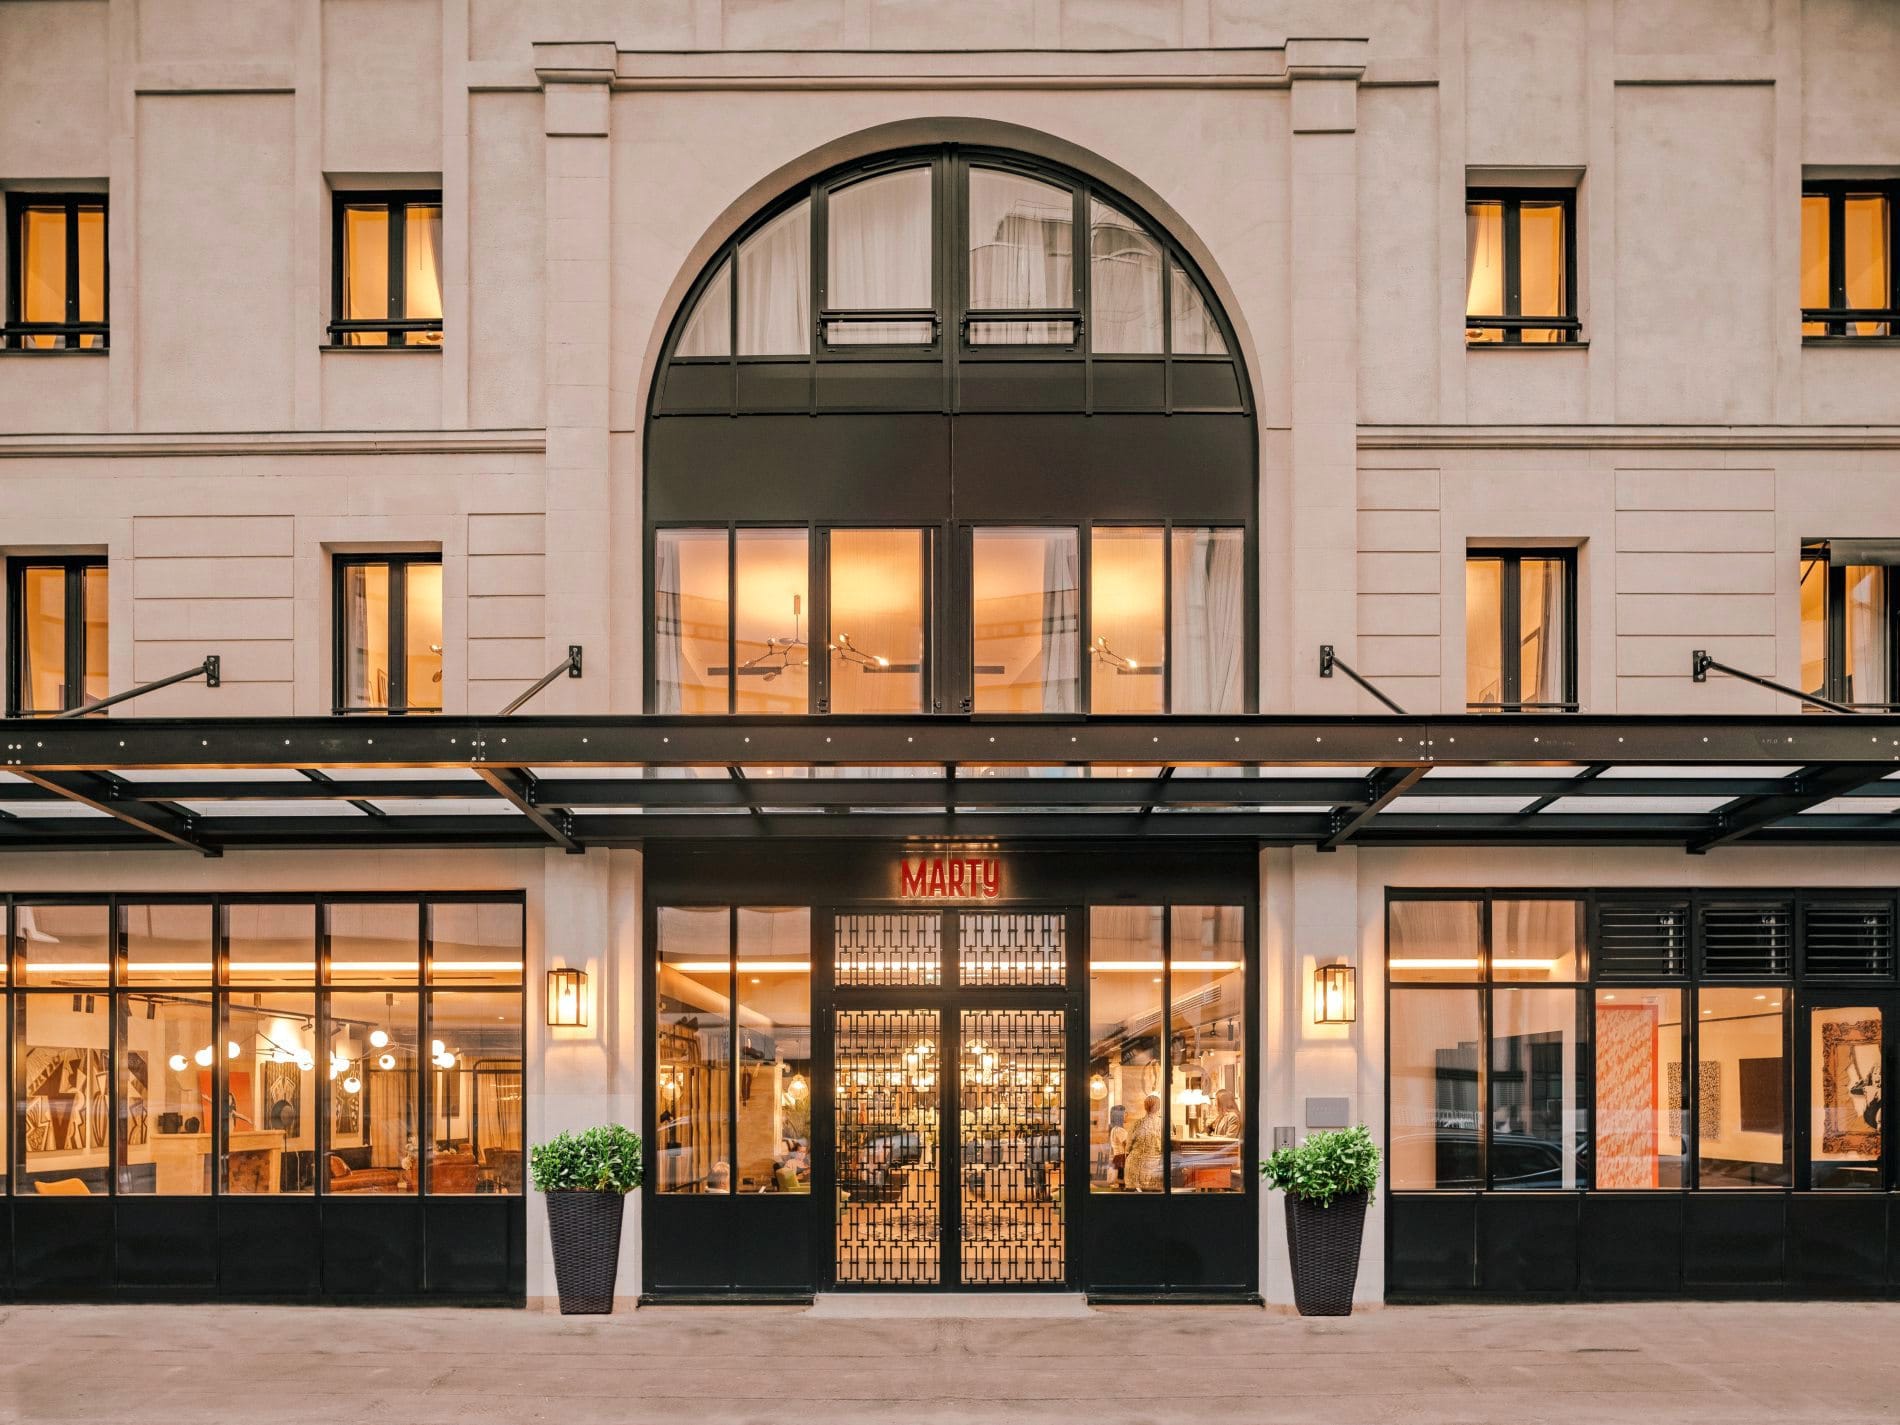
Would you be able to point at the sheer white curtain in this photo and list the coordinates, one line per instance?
(1207, 646)
(422, 266)
(878, 247)
(1124, 283)
(1542, 631)
(1869, 671)
(775, 286)
(1022, 243)
(1061, 622)
(709, 330)
(666, 624)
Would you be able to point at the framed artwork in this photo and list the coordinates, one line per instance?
(1708, 1099)
(346, 1116)
(136, 1098)
(1850, 1087)
(283, 1098)
(66, 1099)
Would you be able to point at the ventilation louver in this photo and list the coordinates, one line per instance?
(1849, 940)
(1746, 940)
(1642, 940)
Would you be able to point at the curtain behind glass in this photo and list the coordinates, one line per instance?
(366, 270)
(1124, 283)
(1021, 252)
(876, 637)
(1815, 288)
(775, 287)
(1208, 640)
(1869, 634)
(878, 248)
(1484, 631)
(422, 269)
(1541, 266)
(1484, 266)
(1542, 630)
(43, 649)
(1192, 328)
(1866, 242)
(709, 330)
(689, 621)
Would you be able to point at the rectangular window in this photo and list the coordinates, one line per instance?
(774, 1110)
(1021, 273)
(1742, 1127)
(266, 1080)
(1850, 640)
(388, 633)
(1520, 266)
(164, 1045)
(1025, 620)
(1127, 985)
(1207, 1015)
(1436, 1050)
(62, 1092)
(879, 601)
(1167, 620)
(1537, 1085)
(1846, 1043)
(1850, 278)
(693, 1058)
(386, 269)
(474, 1144)
(1520, 630)
(56, 272)
(58, 633)
(1641, 1128)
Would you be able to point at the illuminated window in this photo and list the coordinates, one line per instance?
(1520, 631)
(1025, 619)
(1520, 266)
(389, 633)
(1167, 619)
(386, 270)
(58, 634)
(1850, 280)
(879, 603)
(1848, 630)
(56, 277)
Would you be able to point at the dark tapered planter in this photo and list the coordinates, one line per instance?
(1323, 1243)
(585, 1230)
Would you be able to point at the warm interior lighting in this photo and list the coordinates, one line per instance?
(1334, 994)
(567, 1000)
(378, 1038)
(177, 1062)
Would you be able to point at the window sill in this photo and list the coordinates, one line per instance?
(330, 346)
(1582, 345)
(55, 351)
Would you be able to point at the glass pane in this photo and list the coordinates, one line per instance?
(1060, 332)
(1536, 940)
(708, 331)
(365, 635)
(1639, 1120)
(1025, 620)
(167, 944)
(1541, 265)
(1537, 1072)
(1192, 328)
(693, 1059)
(422, 636)
(1815, 287)
(1543, 633)
(1845, 1044)
(92, 270)
(775, 1050)
(1207, 1018)
(95, 600)
(372, 1060)
(845, 331)
(1021, 245)
(43, 647)
(475, 943)
(270, 1093)
(1124, 283)
(1867, 239)
(1208, 643)
(43, 269)
(63, 1094)
(1484, 267)
(164, 1049)
(475, 1134)
(1433, 1089)
(1484, 631)
(1869, 634)
(689, 621)
(1434, 940)
(876, 639)
(63, 945)
(775, 286)
(1125, 1048)
(271, 944)
(1127, 614)
(374, 943)
(1742, 1088)
(878, 247)
(366, 269)
(1814, 626)
(422, 269)
(773, 639)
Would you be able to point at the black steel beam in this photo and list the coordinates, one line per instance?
(1807, 788)
(1382, 789)
(519, 789)
(103, 794)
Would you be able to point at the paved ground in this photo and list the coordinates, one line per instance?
(1732, 1363)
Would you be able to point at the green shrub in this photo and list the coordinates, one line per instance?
(604, 1159)
(1326, 1166)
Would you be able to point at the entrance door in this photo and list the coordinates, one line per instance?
(950, 1035)
(1843, 1053)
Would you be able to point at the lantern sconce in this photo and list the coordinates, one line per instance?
(567, 999)
(1333, 994)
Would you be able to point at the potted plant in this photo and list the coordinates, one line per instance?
(1328, 1181)
(586, 1177)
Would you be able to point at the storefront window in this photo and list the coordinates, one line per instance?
(774, 1059)
(1742, 1092)
(374, 1144)
(1432, 1071)
(475, 1134)
(693, 1059)
(1845, 1046)
(63, 945)
(268, 1076)
(63, 1093)
(1025, 610)
(1435, 941)
(875, 641)
(475, 943)
(1536, 1088)
(1539, 940)
(1127, 975)
(167, 944)
(374, 943)
(1640, 1122)
(1207, 1013)
(166, 1049)
(271, 944)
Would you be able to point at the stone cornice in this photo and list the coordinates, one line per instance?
(1629, 437)
(457, 442)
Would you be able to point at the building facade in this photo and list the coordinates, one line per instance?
(1033, 531)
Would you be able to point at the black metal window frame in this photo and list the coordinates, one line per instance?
(17, 334)
(1837, 318)
(1510, 635)
(1513, 323)
(396, 325)
(74, 567)
(218, 991)
(1838, 686)
(398, 636)
(1801, 988)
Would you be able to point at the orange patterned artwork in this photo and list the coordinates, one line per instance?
(1629, 1077)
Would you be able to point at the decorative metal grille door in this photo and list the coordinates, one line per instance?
(888, 1145)
(889, 950)
(1013, 949)
(1009, 1111)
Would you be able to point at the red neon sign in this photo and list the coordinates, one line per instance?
(950, 878)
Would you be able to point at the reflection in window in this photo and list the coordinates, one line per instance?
(475, 943)
(1025, 620)
(775, 286)
(1640, 1124)
(165, 1047)
(268, 1075)
(771, 635)
(1536, 940)
(690, 610)
(167, 944)
(389, 634)
(1193, 328)
(1207, 1012)
(692, 1060)
(63, 945)
(1434, 940)
(1126, 984)
(62, 1087)
(1127, 616)
(1868, 650)
(708, 332)
(474, 1141)
(1742, 1096)
(1124, 283)
(1845, 1105)
(1537, 1072)
(57, 285)
(373, 942)
(372, 1058)
(59, 634)
(1208, 628)
(1021, 255)
(1432, 1089)
(271, 944)
(774, 1129)
(879, 581)
(878, 257)
(390, 271)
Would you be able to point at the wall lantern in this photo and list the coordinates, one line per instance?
(1333, 994)
(567, 999)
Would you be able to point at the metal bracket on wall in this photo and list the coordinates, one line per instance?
(1701, 665)
(570, 665)
(211, 670)
(1329, 660)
